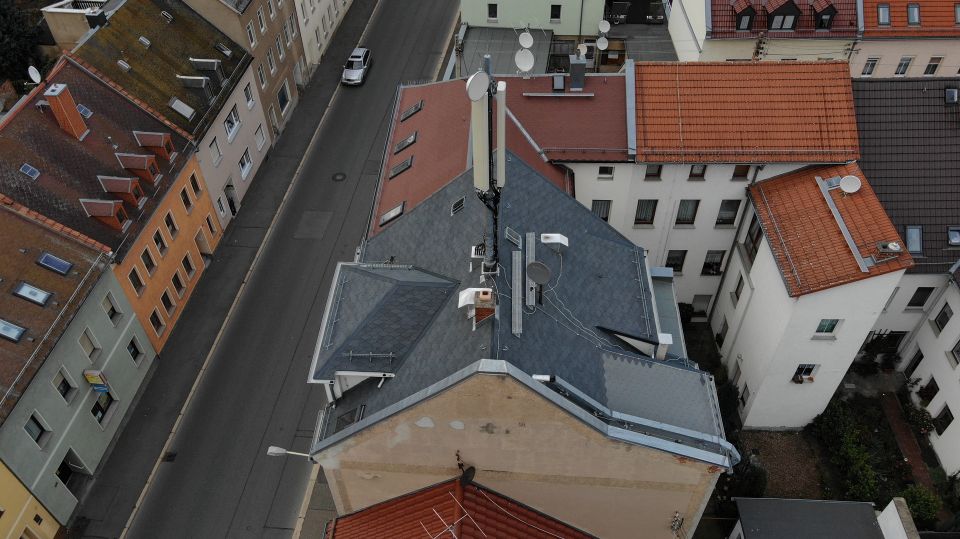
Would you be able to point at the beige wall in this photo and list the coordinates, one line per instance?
(889, 51)
(525, 447)
(21, 510)
(67, 26)
(777, 49)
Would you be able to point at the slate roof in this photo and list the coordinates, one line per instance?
(910, 140)
(152, 77)
(69, 168)
(490, 515)
(774, 518)
(937, 19)
(806, 239)
(724, 21)
(745, 112)
(24, 237)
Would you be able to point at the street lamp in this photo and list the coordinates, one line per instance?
(275, 451)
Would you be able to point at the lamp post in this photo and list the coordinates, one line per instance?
(275, 451)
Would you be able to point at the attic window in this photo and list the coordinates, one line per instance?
(223, 49)
(405, 143)
(914, 239)
(412, 110)
(54, 263)
(348, 418)
(782, 15)
(457, 206)
(745, 13)
(823, 13)
(402, 166)
(30, 171)
(84, 111)
(10, 331)
(184, 109)
(31, 294)
(392, 214)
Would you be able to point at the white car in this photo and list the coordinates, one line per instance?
(356, 68)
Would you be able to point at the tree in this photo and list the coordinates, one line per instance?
(17, 40)
(923, 505)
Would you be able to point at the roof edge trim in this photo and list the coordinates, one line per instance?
(631, 100)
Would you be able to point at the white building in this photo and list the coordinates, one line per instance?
(809, 277)
(563, 17)
(318, 20)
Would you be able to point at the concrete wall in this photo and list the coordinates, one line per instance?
(318, 20)
(66, 25)
(896, 315)
(889, 51)
(71, 424)
(20, 509)
(536, 14)
(777, 49)
(524, 447)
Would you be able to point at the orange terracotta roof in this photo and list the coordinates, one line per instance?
(412, 516)
(807, 241)
(937, 19)
(745, 112)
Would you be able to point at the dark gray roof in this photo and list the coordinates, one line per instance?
(776, 518)
(910, 152)
(501, 44)
(600, 281)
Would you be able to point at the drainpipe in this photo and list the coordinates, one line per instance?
(580, 28)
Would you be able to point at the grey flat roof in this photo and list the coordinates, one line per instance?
(775, 518)
(501, 44)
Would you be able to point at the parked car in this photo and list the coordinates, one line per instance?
(655, 13)
(357, 66)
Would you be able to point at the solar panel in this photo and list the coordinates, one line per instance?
(30, 171)
(11, 332)
(54, 263)
(84, 111)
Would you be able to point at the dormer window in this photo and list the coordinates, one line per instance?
(823, 13)
(744, 21)
(144, 166)
(160, 144)
(108, 212)
(126, 189)
(782, 15)
(745, 14)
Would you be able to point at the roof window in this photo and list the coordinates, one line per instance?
(915, 239)
(953, 235)
(31, 294)
(392, 214)
(10, 331)
(223, 49)
(84, 111)
(782, 15)
(124, 66)
(184, 109)
(54, 263)
(167, 16)
(401, 167)
(30, 171)
(412, 110)
(144, 41)
(405, 143)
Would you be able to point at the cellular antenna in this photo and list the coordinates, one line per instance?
(481, 89)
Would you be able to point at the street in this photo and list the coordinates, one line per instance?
(216, 479)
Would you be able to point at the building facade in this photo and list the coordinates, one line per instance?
(23, 515)
(562, 17)
(908, 39)
(318, 20)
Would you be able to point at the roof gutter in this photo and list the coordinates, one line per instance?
(631, 101)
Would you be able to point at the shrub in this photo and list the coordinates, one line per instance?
(923, 505)
(919, 418)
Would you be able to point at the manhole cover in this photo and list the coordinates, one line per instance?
(339, 177)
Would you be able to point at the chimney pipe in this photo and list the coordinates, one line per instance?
(65, 110)
(578, 72)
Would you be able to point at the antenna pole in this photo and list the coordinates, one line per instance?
(491, 198)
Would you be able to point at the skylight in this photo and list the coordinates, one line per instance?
(412, 110)
(953, 235)
(31, 294)
(84, 111)
(30, 171)
(405, 143)
(10, 331)
(184, 109)
(402, 166)
(54, 263)
(392, 214)
(223, 49)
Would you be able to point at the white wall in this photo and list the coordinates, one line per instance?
(897, 316)
(687, 27)
(889, 52)
(777, 49)
(536, 14)
(318, 20)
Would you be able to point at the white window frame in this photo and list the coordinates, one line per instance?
(936, 62)
(280, 51)
(271, 63)
(248, 95)
(261, 136)
(232, 117)
(251, 35)
(261, 21)
(245, 169)
(906, 66)
(216, 155)
(872, 63)
(271, 10)
(261, 75)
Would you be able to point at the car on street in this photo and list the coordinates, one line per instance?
(357, 67)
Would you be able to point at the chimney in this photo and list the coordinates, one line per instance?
(578, 72)
(65, 111)
(484, 306)
(666, 340)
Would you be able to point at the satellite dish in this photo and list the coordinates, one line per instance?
(34, 74)
(850, 184)
(477, 85)
(602, 43)
(526, 39)
(467, 476)
(604, 27)
(524, 60)
(538, 272)
(582, 49)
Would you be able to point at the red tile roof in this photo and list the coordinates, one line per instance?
(806, 240)
(724, 19)
(740, 5)
(412, 516)
(745, 112)
(937, 19)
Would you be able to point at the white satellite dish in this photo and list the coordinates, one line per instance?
(850, 184)
(524, 60)
(477, 85)
(602, 43)
(604, 27)
(526, 39)
(34, 74)
(582, 49)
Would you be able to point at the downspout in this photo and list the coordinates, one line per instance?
(580, 26)
(457, 509)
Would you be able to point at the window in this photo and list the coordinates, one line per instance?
(185, 198)
(248, 95)
(824, 20)
(220, 208)
(653, 172)
(869, 66)
(110, 308)
(555, 12)
(101, 406)
(713, 263)
(31, 294)
(744, 396)
(160, 242)
(605, 172)
(943, 420)
(687, 213)
(210, 226)
(675, 259)
(261, 76)
(943, 317)
(405, 143)
(89, 345)
(70, 472)
(215, 152)
(286, 34)
(270, 10)
(741, 172)
(728, 212)
(246, 164)
(271, 63)
(251, 35)
(698, 171)
(415, 108)
(135, 281)
(195, 185)
(316, 34)
(171, 225)
(63, 386)
(260, 136)
(913, 14)
(35, 429)
(827, 326)
(744, 21)
(737, 290)
(231, 124)
(178, 284)
(601, 208)
(133, 348)
(392, 214)
(956, 13)
(783, 22)
(187, 264)
(903, 66)
(492, 12)
(293, 25)
(920, 297)
(167, 301)
(157, 322)
(804, 373)
(280, 52)
(54, 263)
(883, 14)
(646, 211)
(932, 65)
(722, 334)
(914, 239)
(914, 363)
(261, 21)
(953, 235)
(283, 96)
(148, 262)
(954, 355)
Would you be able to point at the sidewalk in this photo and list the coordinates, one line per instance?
(906, 441)
(121, 476)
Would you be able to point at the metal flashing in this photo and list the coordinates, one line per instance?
(843, 226)
(631, 95)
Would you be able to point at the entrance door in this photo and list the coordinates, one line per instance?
(206, 252)
(232, 200)
(701, 302)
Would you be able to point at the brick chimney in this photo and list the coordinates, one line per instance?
(65, 110)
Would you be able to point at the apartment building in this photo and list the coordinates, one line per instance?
(83, 154)
(725, 30)
(562, 17)
(270, 32)
(318, 20)
(805, 285)
(25, 516)
(73, 354)
(169, 58)
(908, 39)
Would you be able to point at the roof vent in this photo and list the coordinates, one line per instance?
(555, 240)
(144, 41)
(123, 65)
(167, 16)
(30, 171)
(950, 95)
(558, 84)
(223, 49)
(890, 247)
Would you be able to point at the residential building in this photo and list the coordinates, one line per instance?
(805, 284)
(908, 39)
(23, 515)
(180, 66)
(269, 30)
(725, 30)
(318, 20)
(84, 155)
(563, 17)
(463, 507)
(575, 395)
(776, 518)
(73, 354)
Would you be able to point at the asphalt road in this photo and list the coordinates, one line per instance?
(218, 481)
